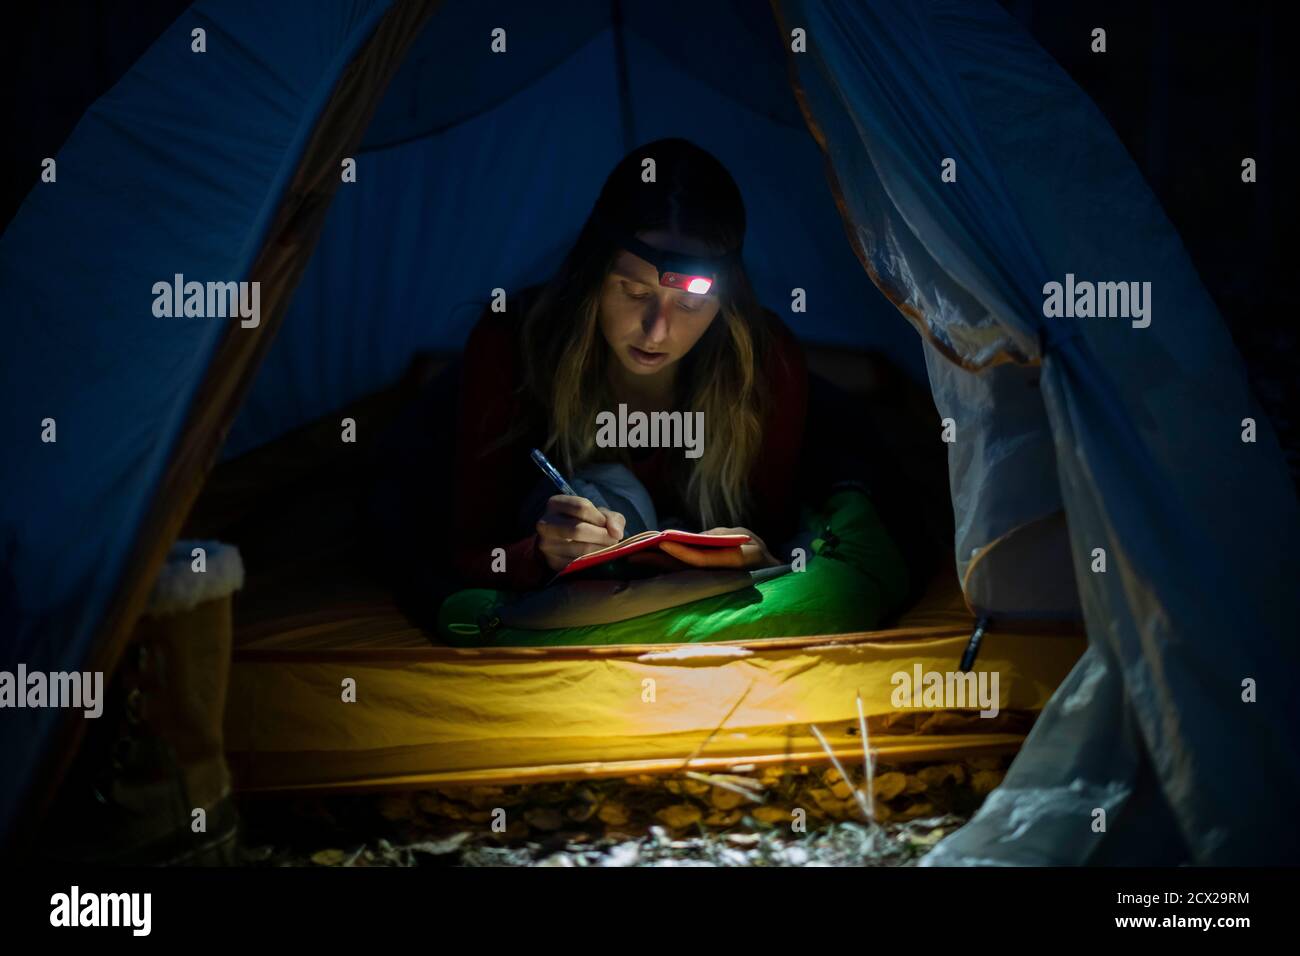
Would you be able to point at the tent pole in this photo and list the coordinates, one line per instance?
(973, 645)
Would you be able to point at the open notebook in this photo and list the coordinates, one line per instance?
(652, 539)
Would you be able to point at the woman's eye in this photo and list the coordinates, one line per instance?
(686, 306)
(635, 295)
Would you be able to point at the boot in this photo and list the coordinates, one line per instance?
(152, 786)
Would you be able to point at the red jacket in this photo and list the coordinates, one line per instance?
(490, 489)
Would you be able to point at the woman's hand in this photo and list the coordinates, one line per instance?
(752, 554)
(572, 527)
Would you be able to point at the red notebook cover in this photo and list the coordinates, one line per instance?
(651, 539)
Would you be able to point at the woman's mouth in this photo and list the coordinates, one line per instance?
(642, 357)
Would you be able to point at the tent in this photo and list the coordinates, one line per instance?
(1072, 435)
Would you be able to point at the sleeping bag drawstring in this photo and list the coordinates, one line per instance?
(825, 541)
(829, 538)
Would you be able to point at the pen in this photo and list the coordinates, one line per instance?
(549, 471)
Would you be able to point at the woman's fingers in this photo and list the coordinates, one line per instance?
(570, 549)
(570, 518)
(574, 507)
(559, 551)
(710, 557)
(691, 556)
(751, 554)
(561, 528)
(573, 526)
(744, 531)
(615, 523)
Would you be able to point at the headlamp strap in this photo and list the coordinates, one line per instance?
(675, 269)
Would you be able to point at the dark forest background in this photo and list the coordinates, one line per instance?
(1191, 89)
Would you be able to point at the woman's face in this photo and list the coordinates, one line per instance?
(651, 327)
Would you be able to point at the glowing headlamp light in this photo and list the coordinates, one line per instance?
(700, 285)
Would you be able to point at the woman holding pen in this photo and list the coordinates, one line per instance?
(651, 309)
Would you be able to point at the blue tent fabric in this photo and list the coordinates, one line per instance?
(451, 75)
(476, 174)
(177, 169)
(991, 453)
(451, 203)
(1145, 424)
(411, 251)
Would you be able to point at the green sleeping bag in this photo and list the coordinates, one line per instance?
(855, 579)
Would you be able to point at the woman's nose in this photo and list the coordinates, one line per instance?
(656, 323)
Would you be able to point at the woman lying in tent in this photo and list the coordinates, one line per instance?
(651, 377)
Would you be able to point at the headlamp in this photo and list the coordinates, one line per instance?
(695, 274)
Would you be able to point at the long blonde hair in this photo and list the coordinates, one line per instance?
(722, 376)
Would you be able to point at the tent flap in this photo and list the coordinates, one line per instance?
(1144, 414)
(180, 173)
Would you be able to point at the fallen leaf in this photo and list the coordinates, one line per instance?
(929, 839)
(723, 818)
(544, 818)
(922, 809)
(890, 785)
(824, 799)
(723, 799)
(939, 774)
(612, 814)
(580, 812)
(771, 814)
(679, 815)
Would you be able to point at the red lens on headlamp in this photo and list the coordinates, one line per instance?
(700, 285)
